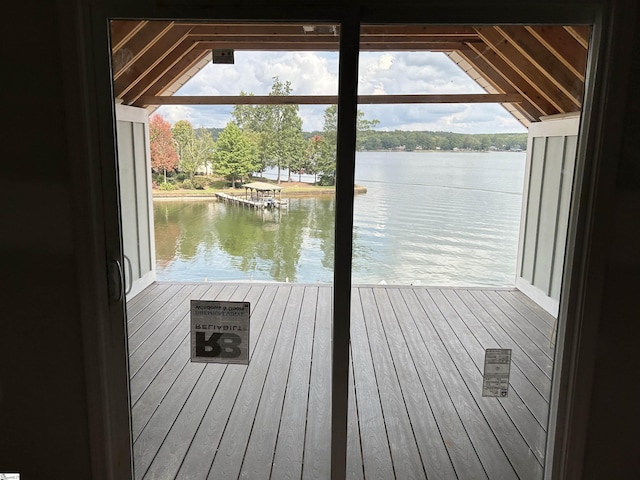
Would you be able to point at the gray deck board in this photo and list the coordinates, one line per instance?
(317, 453)
(239, 426)
(537, 354)
(433, 453)
(144, 299)
(535, 402)
(171, 454)
(484, 440)
(534, 312)
(415, 404)
(175, 307)
(405, 455)
(376, 453)
(535, 375)
(258, 457)
(523, 399)
(452, 431)
(468, 356)
(354, 449)
(198, 459)
(289, 449)
(527, 323)
(158, 304)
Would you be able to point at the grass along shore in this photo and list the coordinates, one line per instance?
(289, 189)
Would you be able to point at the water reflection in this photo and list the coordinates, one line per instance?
(198, 240)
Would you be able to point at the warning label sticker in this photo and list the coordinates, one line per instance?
(497, 365)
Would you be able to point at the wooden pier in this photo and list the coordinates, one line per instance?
(239, 200)
(253, 203)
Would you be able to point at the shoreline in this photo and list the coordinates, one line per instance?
(293, 192)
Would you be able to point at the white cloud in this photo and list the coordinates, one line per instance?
(316, 73)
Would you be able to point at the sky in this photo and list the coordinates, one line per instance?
(316, 73)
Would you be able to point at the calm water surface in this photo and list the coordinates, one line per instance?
(427, 218)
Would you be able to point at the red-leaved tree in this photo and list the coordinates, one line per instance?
(163, 150)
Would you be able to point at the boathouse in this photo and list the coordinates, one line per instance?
(345, 380)
(266, 193)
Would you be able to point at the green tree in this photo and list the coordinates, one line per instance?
(285, 143)
(235, 155)
(252, 120)
(327, 159)
(312, 155)
(195, 147)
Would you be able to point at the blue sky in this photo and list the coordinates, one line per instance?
(316, 73)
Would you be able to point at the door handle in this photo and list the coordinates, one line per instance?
(114, 280)
(128, 287)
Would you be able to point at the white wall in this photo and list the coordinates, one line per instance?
(551, 154)
(134, 165)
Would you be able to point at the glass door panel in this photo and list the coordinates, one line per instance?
(242, 158)
(443, 151)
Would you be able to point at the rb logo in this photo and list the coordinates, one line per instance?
(221, 345)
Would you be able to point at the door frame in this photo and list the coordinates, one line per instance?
(107, 380)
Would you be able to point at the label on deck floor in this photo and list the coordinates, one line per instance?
(497, 365)
(220, 331)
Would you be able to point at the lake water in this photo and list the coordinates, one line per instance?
(427, 218)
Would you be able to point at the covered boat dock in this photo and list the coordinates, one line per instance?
(265, 193)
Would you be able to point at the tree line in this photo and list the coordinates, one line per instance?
(376, 140)
(257, 138)
(416, 140)
(271, 136)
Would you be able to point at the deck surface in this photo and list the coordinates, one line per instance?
(415, 410)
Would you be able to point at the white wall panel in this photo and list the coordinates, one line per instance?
(134, 165)
(551, 155)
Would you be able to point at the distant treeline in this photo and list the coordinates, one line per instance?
(412, 140)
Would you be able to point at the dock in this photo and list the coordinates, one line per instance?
(415, 384)
(253, 203)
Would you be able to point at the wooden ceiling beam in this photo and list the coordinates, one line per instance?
(566, 48)
(169, 77)
(271, 46)
(581, 33)
(139, 43)
(419, 30)
(332, 47)
(132, 75)
(156, 72)
(513, 76)
(123, 30)
(412, 46)
(329, 39)
(527, 70)
(331, 99)
(257, 30)
(266, 29)
(546, 61)
(284, 40)
(256, 24)
(491, 75)
(535, 63)
(473, 73)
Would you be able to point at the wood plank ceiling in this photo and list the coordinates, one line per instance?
(534, 71)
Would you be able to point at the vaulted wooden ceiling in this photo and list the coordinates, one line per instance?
(534, 71)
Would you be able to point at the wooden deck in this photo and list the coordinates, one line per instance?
(416, 409)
